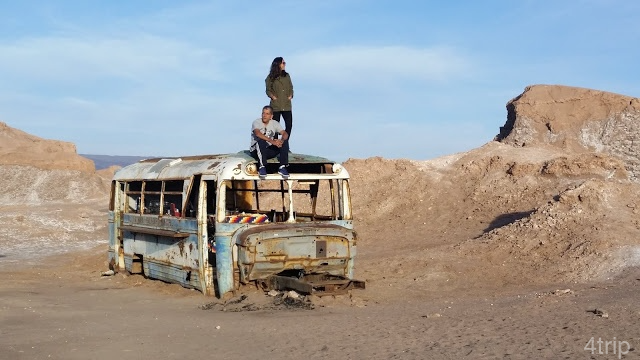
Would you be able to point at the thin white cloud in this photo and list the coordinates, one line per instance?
(358, 65)
(80, 59)
(360, 134)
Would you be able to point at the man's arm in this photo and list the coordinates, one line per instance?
(262, 136)
(284, 134)
(279, 142)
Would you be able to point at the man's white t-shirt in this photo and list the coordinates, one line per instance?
(269, 130)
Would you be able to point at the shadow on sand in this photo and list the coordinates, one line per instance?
(506, 219)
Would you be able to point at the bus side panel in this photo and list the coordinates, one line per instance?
(224, 264)
(171, 259)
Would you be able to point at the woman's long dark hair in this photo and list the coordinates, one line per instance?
(275, 71)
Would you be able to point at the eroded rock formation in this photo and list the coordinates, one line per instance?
(576, 120)
(19, 148)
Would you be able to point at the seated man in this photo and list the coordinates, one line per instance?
(265, 146)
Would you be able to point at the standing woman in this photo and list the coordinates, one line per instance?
(280, 91)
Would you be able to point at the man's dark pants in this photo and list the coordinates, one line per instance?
(264, 152)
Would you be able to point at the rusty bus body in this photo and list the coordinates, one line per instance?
(209, 223)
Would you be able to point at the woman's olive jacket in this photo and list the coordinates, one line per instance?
(282, 88)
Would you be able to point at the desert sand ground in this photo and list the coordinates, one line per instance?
(524, 248)
(64, 309)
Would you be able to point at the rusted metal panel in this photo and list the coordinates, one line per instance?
(171, 223)
(335, 228)
(267, 250)
(224, 264)
(289, 283)
(172, 169)
(183, 252)
(111, 226)
(165, 271)
(321, 248)
(317, 284)
(168, 258)
(227, 166)
(160, 232)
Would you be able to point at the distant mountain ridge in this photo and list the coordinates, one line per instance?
(105, 161)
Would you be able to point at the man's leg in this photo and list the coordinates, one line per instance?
(265, 151)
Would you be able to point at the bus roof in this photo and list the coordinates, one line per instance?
(228, 166)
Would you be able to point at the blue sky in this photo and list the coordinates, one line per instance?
(397, 79)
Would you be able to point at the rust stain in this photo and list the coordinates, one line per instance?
(213, 165)
(181, 246)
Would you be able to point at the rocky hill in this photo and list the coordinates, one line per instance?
(540, 204)
(575, 120)
(20, 148)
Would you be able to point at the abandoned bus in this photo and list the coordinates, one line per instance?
(209, 223)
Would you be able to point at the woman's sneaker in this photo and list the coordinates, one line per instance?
(262, 172)
(283, 172)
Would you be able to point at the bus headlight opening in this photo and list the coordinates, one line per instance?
(251, 169)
